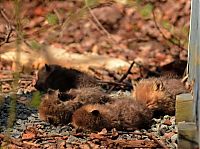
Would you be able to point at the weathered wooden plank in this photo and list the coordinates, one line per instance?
(184, 108)
(187, 137)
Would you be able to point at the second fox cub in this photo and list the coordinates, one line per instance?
(123, 114)
(58, 77)
(159, 94)
(55, 111)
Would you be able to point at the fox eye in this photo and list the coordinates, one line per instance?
(95, 112)
(50, 91)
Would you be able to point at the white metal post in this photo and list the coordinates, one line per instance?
(194, 58)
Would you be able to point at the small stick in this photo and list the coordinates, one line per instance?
(10, 28)
(10, 140)
(114, 83)
(123, 77)
(150, 136)
(41, 137)
(157, 141)
(100, 25)
(4, 15)
(31, 144)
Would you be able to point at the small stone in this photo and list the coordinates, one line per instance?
(166, 117)
(16, 135)
(174, 138)
(147, 139)
(47, 145)
(34, 115)
(162, 130)
(154, 129)
(136, 131)
(167, 122)
(19, 122)
(157, 120)
(58, 129)
(30, 118)
(65, 129)
(40, 126)
(168, 135)
(22, 116)
(20, 91)
(61, 144)
(72, 139)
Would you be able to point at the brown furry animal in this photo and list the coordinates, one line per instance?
(90, 95)
(159, 94)
(55, 111)
(58, 77)
(123, 114)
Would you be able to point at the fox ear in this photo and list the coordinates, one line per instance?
(158, 85)
(95, 112)
(50, 91)
(47, 67)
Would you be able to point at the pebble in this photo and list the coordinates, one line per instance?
(174, 138)
(72, 139)
(167, 122)
(169, 135)
(163, 129)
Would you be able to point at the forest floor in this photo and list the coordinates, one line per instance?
(151, 34)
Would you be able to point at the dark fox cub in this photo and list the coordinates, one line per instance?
(61, 78)
(123, 114)
(159, 94)
(55, 111)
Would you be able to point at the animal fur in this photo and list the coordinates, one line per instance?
(61, 78)
(55, 111)
(123, 114)
(159, 94)
(90, 95)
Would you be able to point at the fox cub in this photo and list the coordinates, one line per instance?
(56, 111)
(61, 78)
(159, 94)
(123, 114)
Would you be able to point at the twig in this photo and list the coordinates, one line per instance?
(156, 140)
(150, 136)
(66, 22)
(41, 137)
(4, 15)
(31, 144)
(58, 15)
(96, 26)
(184, 79)
(8, 34)
(123, 77)
(6, 80)
(146, 69)
(10, 140)
(163, 35)
(10, 28)
(114, 83)
(100, 25)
